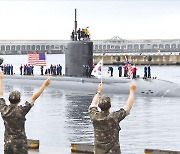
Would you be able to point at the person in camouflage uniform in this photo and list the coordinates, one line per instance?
(15, 140)
(106, 124)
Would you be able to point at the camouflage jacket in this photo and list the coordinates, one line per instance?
(14, 120)
(106, 130)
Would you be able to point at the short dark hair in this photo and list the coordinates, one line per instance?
(14, 97)
(104, 103)
(14, 101)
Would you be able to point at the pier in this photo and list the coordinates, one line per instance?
(139, 58)
(113, 45)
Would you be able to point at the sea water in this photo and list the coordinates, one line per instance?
(60, 117)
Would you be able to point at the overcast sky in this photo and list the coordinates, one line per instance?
(54, 20)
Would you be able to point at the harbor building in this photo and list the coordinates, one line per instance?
(116, 49)
(113, 45)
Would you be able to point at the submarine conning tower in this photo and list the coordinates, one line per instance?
(79, 54)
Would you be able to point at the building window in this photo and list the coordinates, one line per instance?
(161, 46)
(167, 46)
(141, 46)
(117, 47)
(129, 46)
(47, 47)
(13, 47)
(61, 47)
(18, 47)
(148, 46)
(28, 47)
(33, 47)
(52, 46)
(112, 46)
(155, 46)
(173, 46)
(136, 46)
(179, 46)
(37, 47)
(123, 47)
(23, 47)
(104, 47)
(108, 47)
(7, 47)
(96, 47)
(42, 47)
(100, 47)
(2, 48)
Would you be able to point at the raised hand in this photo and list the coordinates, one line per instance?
(47, 81)
(100, 87)
(133, 87)
(1, 75)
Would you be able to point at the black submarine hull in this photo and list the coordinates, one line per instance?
(145, 87)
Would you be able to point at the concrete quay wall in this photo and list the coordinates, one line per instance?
(139, 59)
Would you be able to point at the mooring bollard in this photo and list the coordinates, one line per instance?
(33, 144)
(157, 151)
(82, 147)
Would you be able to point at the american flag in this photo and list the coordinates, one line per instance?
(37, 59)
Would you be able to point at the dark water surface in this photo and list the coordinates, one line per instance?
(60, 117)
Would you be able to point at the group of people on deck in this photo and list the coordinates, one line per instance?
(81, 34)
(129, 70)
(52, 70)
(7, 69)
(29, 70)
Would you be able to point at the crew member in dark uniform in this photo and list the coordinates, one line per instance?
(111, 70)
(21, 67)
(42, 70)
(79, 34)
(145, 72)
(87, 69)
(120, 70)
(60, 69)
(149, 71)
(72, 35)
(125, 70)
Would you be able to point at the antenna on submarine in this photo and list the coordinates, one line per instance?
(75, 26)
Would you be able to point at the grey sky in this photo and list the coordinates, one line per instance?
(105, 19)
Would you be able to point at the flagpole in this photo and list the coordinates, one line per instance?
(46, 63)
(102, 65)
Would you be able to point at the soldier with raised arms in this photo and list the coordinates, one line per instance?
(106, 124)
(15, 140)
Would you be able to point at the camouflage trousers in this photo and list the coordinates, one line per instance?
(16, 147)
(101, 151)
(113, 150)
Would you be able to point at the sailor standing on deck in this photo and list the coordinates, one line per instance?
(106, 124)
(15, 140)
(149, 71)
(145, 72)
(111, 70)
(120, 70)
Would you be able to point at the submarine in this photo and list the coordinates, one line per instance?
(117, 86)
(79, 53)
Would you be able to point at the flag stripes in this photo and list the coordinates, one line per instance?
(37, 59)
